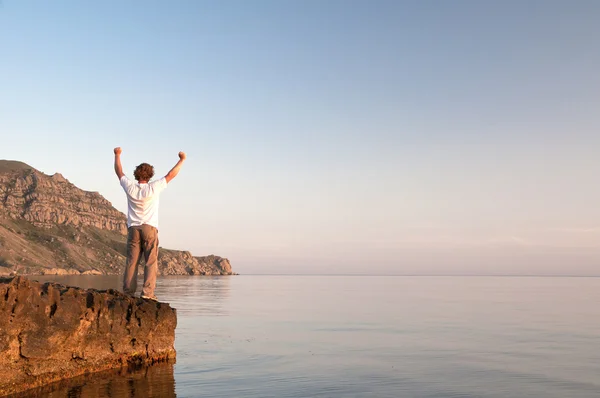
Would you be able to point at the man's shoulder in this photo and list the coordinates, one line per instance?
(160, 184)
(125, 182)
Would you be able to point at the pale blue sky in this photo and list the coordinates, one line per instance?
(325, 136)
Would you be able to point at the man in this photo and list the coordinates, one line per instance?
(142, 222)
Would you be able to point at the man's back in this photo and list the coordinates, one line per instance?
(142, 201)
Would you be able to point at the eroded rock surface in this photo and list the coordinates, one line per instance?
(50, 332)
(47, 201)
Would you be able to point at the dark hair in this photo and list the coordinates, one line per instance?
(144, 172)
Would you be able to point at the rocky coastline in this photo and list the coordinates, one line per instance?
(50, 332)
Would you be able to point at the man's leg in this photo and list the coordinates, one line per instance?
(150, 239)
(134, 254)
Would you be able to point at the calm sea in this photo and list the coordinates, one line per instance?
(368, 336)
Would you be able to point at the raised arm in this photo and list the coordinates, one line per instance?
(118, 167)
(175, 170)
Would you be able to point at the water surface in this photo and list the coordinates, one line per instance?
(350, 336)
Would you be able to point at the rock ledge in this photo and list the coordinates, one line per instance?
(50, 332)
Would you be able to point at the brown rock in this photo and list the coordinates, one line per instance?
(47, 201)
(175, 262)
(50, 332)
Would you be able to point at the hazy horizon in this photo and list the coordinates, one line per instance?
(341, 137)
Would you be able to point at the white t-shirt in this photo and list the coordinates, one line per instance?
(142, 201)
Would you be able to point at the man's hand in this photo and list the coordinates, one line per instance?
(175, 170)
(118, 167)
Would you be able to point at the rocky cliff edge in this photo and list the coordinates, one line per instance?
(50, 332)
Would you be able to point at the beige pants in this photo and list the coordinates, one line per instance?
(141, 240)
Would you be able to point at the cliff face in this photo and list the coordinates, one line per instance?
(175, 262)
(48, 201)
(50, 332)
(49, 226)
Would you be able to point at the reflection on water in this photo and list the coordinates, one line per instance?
(196, 296)
(152, 381)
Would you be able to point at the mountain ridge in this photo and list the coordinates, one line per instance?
(50, 226)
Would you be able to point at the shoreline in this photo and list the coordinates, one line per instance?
(50, 332)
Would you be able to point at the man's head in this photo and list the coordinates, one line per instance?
(144, 172)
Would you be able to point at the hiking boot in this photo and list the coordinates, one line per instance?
(153, 298)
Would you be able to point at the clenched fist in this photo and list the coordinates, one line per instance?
(182, 155)
(118, 150)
